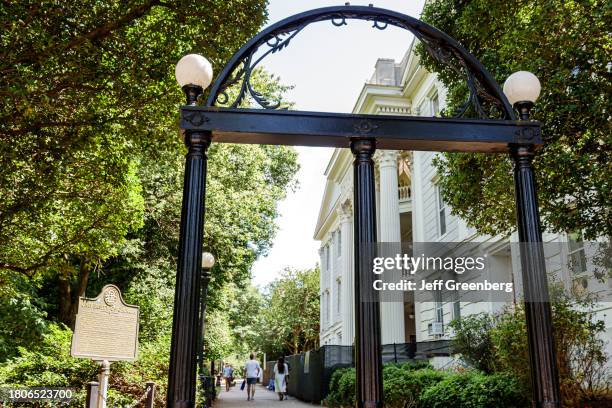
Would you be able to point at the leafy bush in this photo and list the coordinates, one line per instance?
(50, 364)
(342, 388)
(412, 365)
(22, 322)
(473, 341)
(580, 350)
(475, 390)
(445, 393)
(403, 387)
(402, 384)
(128, 378)
(411, 386)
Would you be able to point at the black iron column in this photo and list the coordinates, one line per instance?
(205, 281)
(542, 356)
(182, 373)
(368, 361)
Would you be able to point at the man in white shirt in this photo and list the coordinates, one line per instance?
(252, 370)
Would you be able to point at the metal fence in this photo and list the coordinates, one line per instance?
(310, 372)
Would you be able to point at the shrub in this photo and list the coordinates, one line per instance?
(403, 387)
(402, 384)
(580, 350)
(473, 341)
(49, 363)
(342, 388)
(22, 323)
(475, 390)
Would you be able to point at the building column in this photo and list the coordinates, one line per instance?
(321, 294)
(392, 312)
(345, 213)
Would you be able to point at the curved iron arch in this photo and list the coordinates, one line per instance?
(481, 85)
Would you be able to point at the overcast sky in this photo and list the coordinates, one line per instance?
(328, 66)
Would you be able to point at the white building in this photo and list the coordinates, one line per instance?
(409, 208)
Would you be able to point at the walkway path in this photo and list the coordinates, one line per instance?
(236, 398)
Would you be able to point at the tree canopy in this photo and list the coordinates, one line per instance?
(88, 95)
(567, 44)
(291, 313)
(91, 162)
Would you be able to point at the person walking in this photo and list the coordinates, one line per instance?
(228, 374)
(252, 371)
(281, 372)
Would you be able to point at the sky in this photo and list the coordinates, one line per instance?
(328, 67)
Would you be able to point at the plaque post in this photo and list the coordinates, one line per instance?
(150, 390)
(103, 380)
(92, 395)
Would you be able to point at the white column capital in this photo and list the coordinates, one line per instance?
(387, 158)
(345, 211)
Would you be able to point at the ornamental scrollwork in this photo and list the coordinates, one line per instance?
(485, 99)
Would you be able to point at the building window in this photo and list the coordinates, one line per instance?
(327, 263)
(576, 256)
(441, 207)
(435, 104)
(439, 310)
(456, 306)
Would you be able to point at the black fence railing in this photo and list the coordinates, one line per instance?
(310, 372)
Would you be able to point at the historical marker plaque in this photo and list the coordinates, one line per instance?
(106, 328)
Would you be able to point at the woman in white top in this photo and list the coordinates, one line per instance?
(281, 372)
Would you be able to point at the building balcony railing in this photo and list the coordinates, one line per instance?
(404, 192)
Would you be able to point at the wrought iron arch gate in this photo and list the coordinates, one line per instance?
(495, 129)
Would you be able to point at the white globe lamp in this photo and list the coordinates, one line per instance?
(208, 260)
(193, 73)
(522, 90)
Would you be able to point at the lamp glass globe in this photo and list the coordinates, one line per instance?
(522, 86)
(208, 260)
(194, 69)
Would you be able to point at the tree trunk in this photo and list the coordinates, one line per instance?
(65, 297)
(69, 294)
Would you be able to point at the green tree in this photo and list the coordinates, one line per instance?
(291, 313)
(245, 315)
(92, 168)
(88, 132)
(567, 44)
